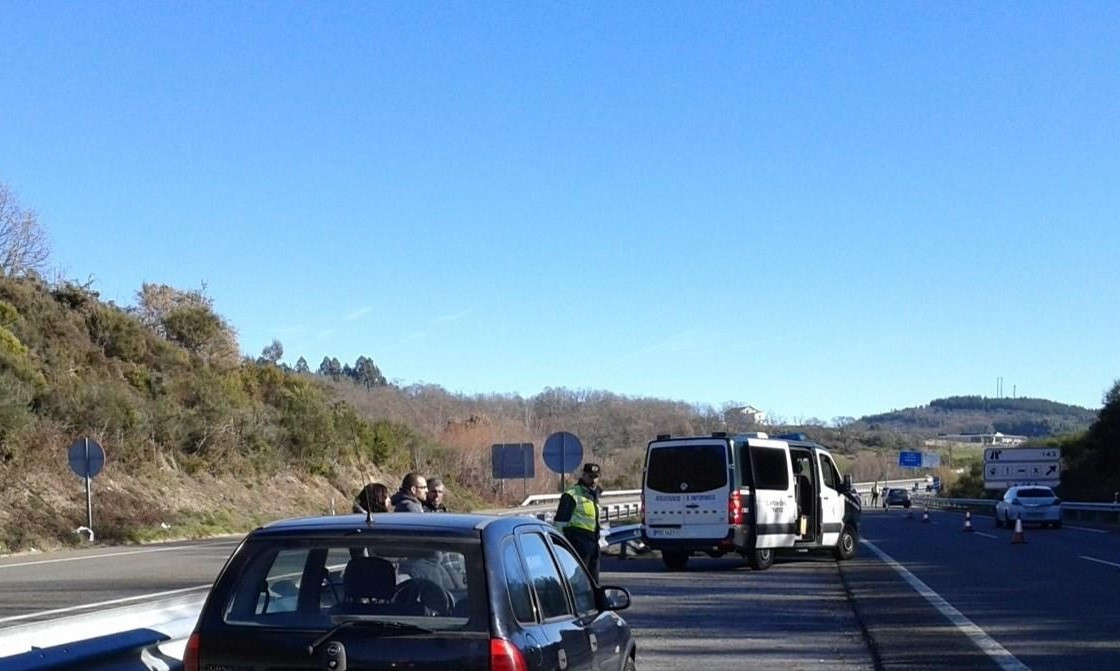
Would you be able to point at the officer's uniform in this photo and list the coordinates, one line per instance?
(577, 517)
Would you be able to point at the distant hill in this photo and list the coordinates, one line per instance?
(1032, 417)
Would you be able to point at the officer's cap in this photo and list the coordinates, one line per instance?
(591, 469)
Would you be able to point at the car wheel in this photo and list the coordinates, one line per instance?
(761, 559)
(630, 665)
(846, 545)
(674, 561)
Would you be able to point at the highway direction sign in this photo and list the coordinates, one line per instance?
(1004, 454)
(1004, 467)
(910, 459)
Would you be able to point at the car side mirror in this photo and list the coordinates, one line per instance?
(847, 485)
(614, 598)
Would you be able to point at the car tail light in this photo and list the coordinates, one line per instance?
(505, 657)
(735, 508)
(642, 508)
(190, 653)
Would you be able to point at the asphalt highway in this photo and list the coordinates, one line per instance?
(919, 596)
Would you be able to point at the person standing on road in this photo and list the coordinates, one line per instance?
(433, 501)
(374, 497)
(577, 517)
(407, 500)
(875, 494)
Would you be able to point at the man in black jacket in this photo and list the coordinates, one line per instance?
(408, 499)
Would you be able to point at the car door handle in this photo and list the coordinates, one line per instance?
(594, 642)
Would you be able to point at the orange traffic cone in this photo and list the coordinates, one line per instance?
(968, 520)
(1017, 537)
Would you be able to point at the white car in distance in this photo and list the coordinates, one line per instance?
(1034, 504)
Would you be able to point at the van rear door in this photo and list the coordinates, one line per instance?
(775, 504)
(687, 485)
(832, 501)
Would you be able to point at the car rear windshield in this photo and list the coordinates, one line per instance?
(1036, 493)
(433, 583)
(692, 468)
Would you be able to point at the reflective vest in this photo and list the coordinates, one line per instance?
(585, 516)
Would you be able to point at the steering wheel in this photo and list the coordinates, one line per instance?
(426, 593)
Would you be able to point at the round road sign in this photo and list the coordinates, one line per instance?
(562, 452)
(86, 457)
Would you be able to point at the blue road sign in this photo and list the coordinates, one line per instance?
(512, 461)
(86, 457)
(910, 459)
(562, 452)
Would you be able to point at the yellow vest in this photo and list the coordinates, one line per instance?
(585, 516)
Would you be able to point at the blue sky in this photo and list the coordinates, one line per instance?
(820, 209)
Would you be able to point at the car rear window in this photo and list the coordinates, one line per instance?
(693, 468)
(1036, 493)
(315, 583)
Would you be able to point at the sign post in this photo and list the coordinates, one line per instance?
(87, 458)
(512, 460)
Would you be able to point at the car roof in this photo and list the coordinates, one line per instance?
(438, 524)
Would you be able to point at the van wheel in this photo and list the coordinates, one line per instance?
(761, 559)
(674, 561)
(846, 545)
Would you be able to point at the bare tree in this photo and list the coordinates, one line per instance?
(272, 353)
(23, 242)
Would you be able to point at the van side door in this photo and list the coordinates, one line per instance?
(832, 501)
(774, 510)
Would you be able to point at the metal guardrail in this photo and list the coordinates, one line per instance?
(1079, 511)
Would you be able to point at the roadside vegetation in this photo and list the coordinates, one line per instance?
(203, 440)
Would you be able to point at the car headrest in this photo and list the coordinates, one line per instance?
(369, 578)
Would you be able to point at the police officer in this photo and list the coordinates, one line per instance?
(577, 517)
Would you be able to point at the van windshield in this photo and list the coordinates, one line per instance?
(687, 468)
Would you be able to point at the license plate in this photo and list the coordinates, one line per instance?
(667, 532)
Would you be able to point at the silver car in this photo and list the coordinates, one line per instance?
(1034, 504)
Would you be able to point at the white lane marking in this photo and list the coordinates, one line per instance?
(112, 554)
(113, 602)
(1095, 531)
(1101, 561)
(985, 534)
(987, 644)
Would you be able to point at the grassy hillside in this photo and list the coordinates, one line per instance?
(201, 440)
(1032, 417)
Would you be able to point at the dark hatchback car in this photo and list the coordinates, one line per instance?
(896, 497)
(410, 591)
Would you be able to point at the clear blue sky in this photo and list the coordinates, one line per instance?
(821, 210)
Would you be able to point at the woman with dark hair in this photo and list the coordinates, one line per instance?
(374, 498)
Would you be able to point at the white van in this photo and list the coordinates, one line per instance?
(749, 494)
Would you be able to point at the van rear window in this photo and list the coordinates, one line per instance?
(691, 468)
(771, 470)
